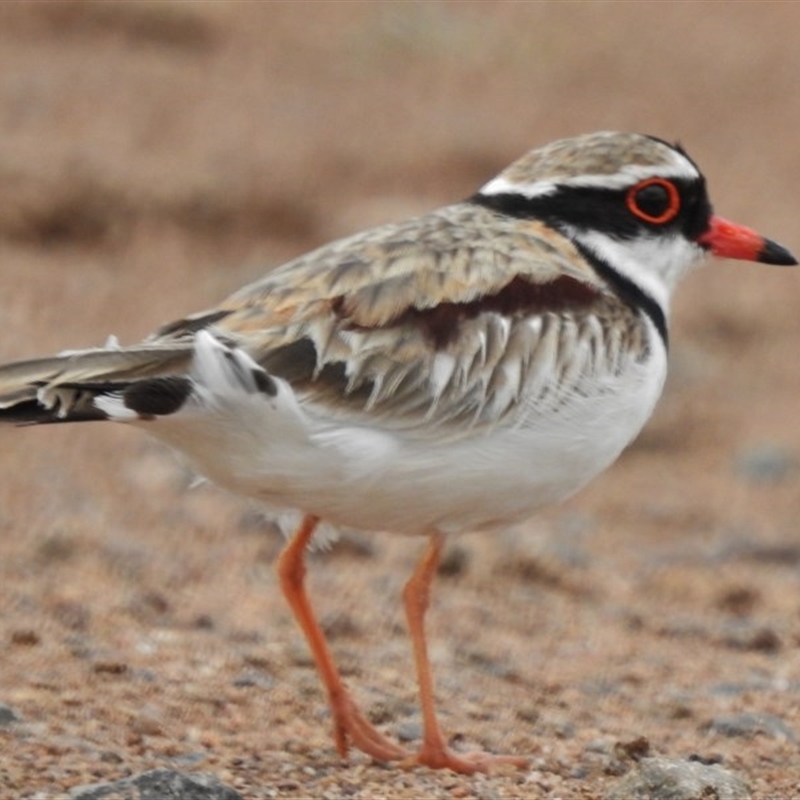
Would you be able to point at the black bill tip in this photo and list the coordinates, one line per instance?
(773, 253)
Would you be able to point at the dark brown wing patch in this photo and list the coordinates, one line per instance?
(518, 296)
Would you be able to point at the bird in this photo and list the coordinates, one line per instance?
(453, 372)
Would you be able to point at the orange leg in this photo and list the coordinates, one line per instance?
(434, 751)
(349, 724)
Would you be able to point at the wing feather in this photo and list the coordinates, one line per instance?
(448, 320)
(362, 327)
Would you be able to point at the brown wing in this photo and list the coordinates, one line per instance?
(440, 319)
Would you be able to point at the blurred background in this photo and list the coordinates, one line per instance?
(156, 155)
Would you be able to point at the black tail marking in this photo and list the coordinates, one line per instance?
(157, 397)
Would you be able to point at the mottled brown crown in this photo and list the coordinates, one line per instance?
(595, 159)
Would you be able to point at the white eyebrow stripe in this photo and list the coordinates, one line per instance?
(501, 185)
(628, 175)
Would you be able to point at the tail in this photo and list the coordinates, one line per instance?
(235, 423)
(140, 383)
(65, 388)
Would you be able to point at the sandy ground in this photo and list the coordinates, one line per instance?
(154, 156)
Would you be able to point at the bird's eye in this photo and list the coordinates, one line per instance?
(655, 200)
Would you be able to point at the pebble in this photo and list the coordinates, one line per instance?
(740, 601)
(254, 678)
(760, 638)
(160, 784)
(409, 731)
(748, 546)
(110, 667)
(752, 725)
(678, 779)
(147, 723)
(25, 637)
(7, 715)
(765, 463)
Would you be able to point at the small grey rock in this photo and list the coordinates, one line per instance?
(752, 725)
(485, 791)
(678, 779)
(766, 463)
(409, 731)
(748, 636)
(159, 784)
(256, 678)
(7, 715)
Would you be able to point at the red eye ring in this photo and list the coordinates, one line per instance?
(673, 201)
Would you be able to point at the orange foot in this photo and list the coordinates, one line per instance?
(442, 757)
(350, 726)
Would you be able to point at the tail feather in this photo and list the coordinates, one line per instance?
(61, 388)
(32, 412)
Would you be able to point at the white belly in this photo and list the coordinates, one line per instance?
(490, 480)
(373, 479)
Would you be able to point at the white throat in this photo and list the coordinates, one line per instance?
(653, 263)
